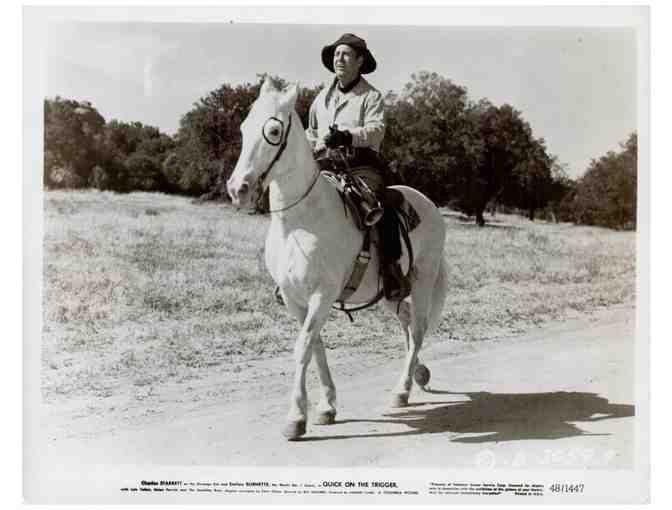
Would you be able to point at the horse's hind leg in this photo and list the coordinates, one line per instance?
(403, 312)
(422, 375)
(414, 319)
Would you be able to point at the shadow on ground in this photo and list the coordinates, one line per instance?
(497, 417)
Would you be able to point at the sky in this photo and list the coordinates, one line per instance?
(576, 86)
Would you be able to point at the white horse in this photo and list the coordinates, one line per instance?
(312, 244)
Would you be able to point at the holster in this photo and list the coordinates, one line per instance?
(364, 187)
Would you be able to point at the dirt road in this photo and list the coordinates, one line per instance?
(560, 397)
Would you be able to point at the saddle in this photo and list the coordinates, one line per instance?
(353, 191)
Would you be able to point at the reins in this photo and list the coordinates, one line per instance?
(283, 146)
(305, 194)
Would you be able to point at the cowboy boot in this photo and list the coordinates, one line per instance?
(395, 284)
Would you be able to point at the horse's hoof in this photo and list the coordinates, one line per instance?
(294, 430)
(326, 418)
(421, 375)
(400, 400)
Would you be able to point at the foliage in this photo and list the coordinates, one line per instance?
(72, 136)
(82, 150)
(606, 194)
(515, 169)
(463, 153)
(467, 154)
(209, 140)
(431, 136)
(143, 173)
(133, 156)
(562, 187)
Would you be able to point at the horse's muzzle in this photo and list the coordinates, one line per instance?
(238, 191)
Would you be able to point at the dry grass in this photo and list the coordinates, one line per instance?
(146, 289)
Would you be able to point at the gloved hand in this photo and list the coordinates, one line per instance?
(337, 138)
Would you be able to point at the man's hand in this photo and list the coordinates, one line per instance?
(337, 138)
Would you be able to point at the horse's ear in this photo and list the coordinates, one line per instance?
(290, 94)
(268, 85)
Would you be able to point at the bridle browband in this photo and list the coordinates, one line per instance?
(264, 174)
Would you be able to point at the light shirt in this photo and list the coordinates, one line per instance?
(359, 111)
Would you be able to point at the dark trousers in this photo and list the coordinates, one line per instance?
(388, 230)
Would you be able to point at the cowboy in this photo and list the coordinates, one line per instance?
(349, 114)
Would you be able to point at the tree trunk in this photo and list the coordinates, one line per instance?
(480, 220)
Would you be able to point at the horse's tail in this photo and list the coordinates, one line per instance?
(439, 294)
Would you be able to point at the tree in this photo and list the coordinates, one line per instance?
(516, 168)
(432, 136)
(465, 154)
(458, 152)
(606, 194)
(72, 137)
(143, 173)
(132, 157)
(305, 100)
(531, 180)
(561, 192)
(208, 139)
(82, 150)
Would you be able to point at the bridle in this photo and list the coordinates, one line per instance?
(264, 174)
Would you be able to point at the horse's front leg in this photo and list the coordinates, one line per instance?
(326, 409)
(315, 317)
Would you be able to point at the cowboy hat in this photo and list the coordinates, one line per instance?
(355, 42)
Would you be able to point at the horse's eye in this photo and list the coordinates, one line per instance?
(273, 131)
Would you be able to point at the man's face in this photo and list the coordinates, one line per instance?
(346, 64)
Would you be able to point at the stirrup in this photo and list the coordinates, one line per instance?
(402, 287)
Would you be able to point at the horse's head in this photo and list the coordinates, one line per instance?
(265, 132)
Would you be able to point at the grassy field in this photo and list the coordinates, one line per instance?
(145, 289)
